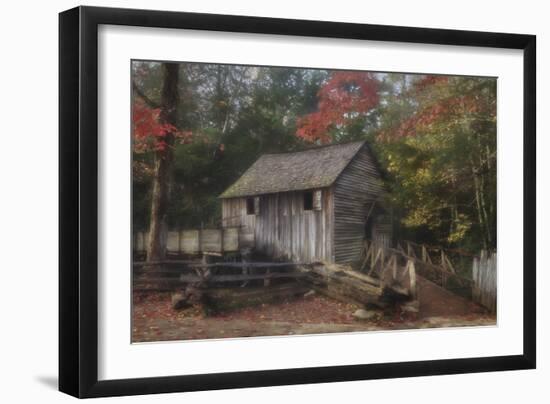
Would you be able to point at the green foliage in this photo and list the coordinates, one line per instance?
(442, 168)
(235, 114)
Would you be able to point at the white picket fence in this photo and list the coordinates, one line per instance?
(484, 272)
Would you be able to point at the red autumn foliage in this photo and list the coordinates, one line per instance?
(345, 95)
(456, 106)
(429, 80)
(148, 130)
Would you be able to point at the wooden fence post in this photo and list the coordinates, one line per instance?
(484, 288)
(412, 279)
(267, 281)
(444, 272)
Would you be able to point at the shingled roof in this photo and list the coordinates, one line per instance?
(282, 172)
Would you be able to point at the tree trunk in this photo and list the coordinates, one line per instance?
(163, 166)
(484, 210)
(478, 203)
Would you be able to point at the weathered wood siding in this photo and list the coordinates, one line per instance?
(234, 215)
(283, 229)
(358, 185)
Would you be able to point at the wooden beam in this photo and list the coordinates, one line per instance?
(425, 255)
(399, 248)
(450, 265)
(193, 264)
(374, 261)
(193, 278)
(412, 279)
(367, 255)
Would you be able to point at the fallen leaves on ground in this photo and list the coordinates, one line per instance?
(315, 309)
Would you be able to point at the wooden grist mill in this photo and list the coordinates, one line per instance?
(312, 219)
(316, 205)
(306, 212)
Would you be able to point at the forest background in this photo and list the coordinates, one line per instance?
(198, 127)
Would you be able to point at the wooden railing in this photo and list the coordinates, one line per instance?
(391, 267)
(469, 275)
(451, 269)
(400, 265)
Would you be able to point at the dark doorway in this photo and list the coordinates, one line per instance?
(369, 220)
(369, 223)
(308, 200)
(250, 206)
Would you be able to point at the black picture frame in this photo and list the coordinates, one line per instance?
(78, 201)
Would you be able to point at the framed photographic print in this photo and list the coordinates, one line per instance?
(251, 201)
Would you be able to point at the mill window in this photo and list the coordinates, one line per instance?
(308, 200)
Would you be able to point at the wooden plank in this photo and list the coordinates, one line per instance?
(317, 199)
(425, 255)
(173, 242)
(255, 295)
(357, 275)
(405, 270)
(195, 264)
(367, 256)
(189, 241)
(231, 294)
(450, 265)
(375, 260)
(257, 205)
(244, 277)
(230, 239)
(484, 288)
(140, 241)
(211, 240)
(412, 279)
(194, 278)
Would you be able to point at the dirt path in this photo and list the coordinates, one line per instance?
(438, 302)
(194, 328)
(154, 319)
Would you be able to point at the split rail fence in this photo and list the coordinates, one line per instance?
(169, 275)
(474, 277)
